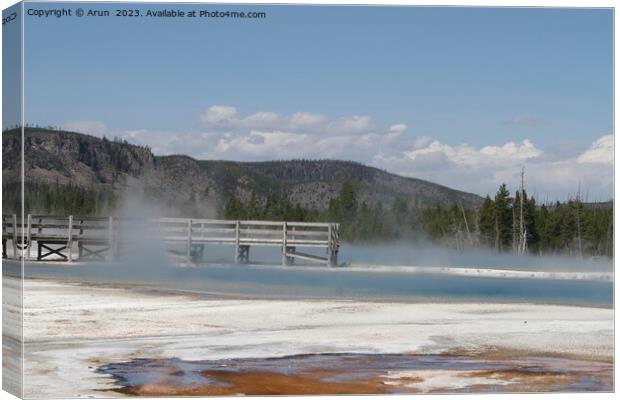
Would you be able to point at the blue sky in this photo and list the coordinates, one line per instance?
(461, 96)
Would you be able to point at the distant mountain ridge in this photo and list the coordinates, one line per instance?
(201, 187)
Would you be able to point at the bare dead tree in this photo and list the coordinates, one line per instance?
(469, 237)
(522, 227)
(515, 236)
(578, 218)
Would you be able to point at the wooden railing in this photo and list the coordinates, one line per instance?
(100, 237)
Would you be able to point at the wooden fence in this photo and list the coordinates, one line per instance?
(103, 237)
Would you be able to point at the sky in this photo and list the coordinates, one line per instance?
(465, 97)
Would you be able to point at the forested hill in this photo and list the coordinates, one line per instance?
(68, 171)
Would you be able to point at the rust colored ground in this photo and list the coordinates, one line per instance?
(265, 384)
(359, 374)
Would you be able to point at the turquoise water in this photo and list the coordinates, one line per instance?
(273, 281)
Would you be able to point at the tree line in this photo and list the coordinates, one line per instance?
(505, 223)
(57, 199)
(517, 224)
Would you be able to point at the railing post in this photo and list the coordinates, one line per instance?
(332, 247)
(29, 239)
(284, 243)
(237, 242)
(110, 238)
(4, 255)
(329, 245)
(189, 240)
(15, 237)
(70, 238)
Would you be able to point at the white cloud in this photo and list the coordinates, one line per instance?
(399, 128)
(396, 131)
(261, 119)
(481, 170)
(469, 156)
(90, 127)
(601, 152)
(356, 123)
(259, 144)
(219, 116)
(228, 117)
(512, 150)
(434, 147)
(315, 135)
(307, 119)
(422, 141)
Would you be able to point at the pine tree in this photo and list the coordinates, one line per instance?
(503, 219)
(486, 222)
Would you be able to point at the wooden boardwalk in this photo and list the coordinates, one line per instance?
(104, 238)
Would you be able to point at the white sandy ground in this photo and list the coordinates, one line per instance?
(70, 330)
(427, 380)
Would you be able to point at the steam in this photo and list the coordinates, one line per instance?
(143, 252)
(421, 253)
(141, 246)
